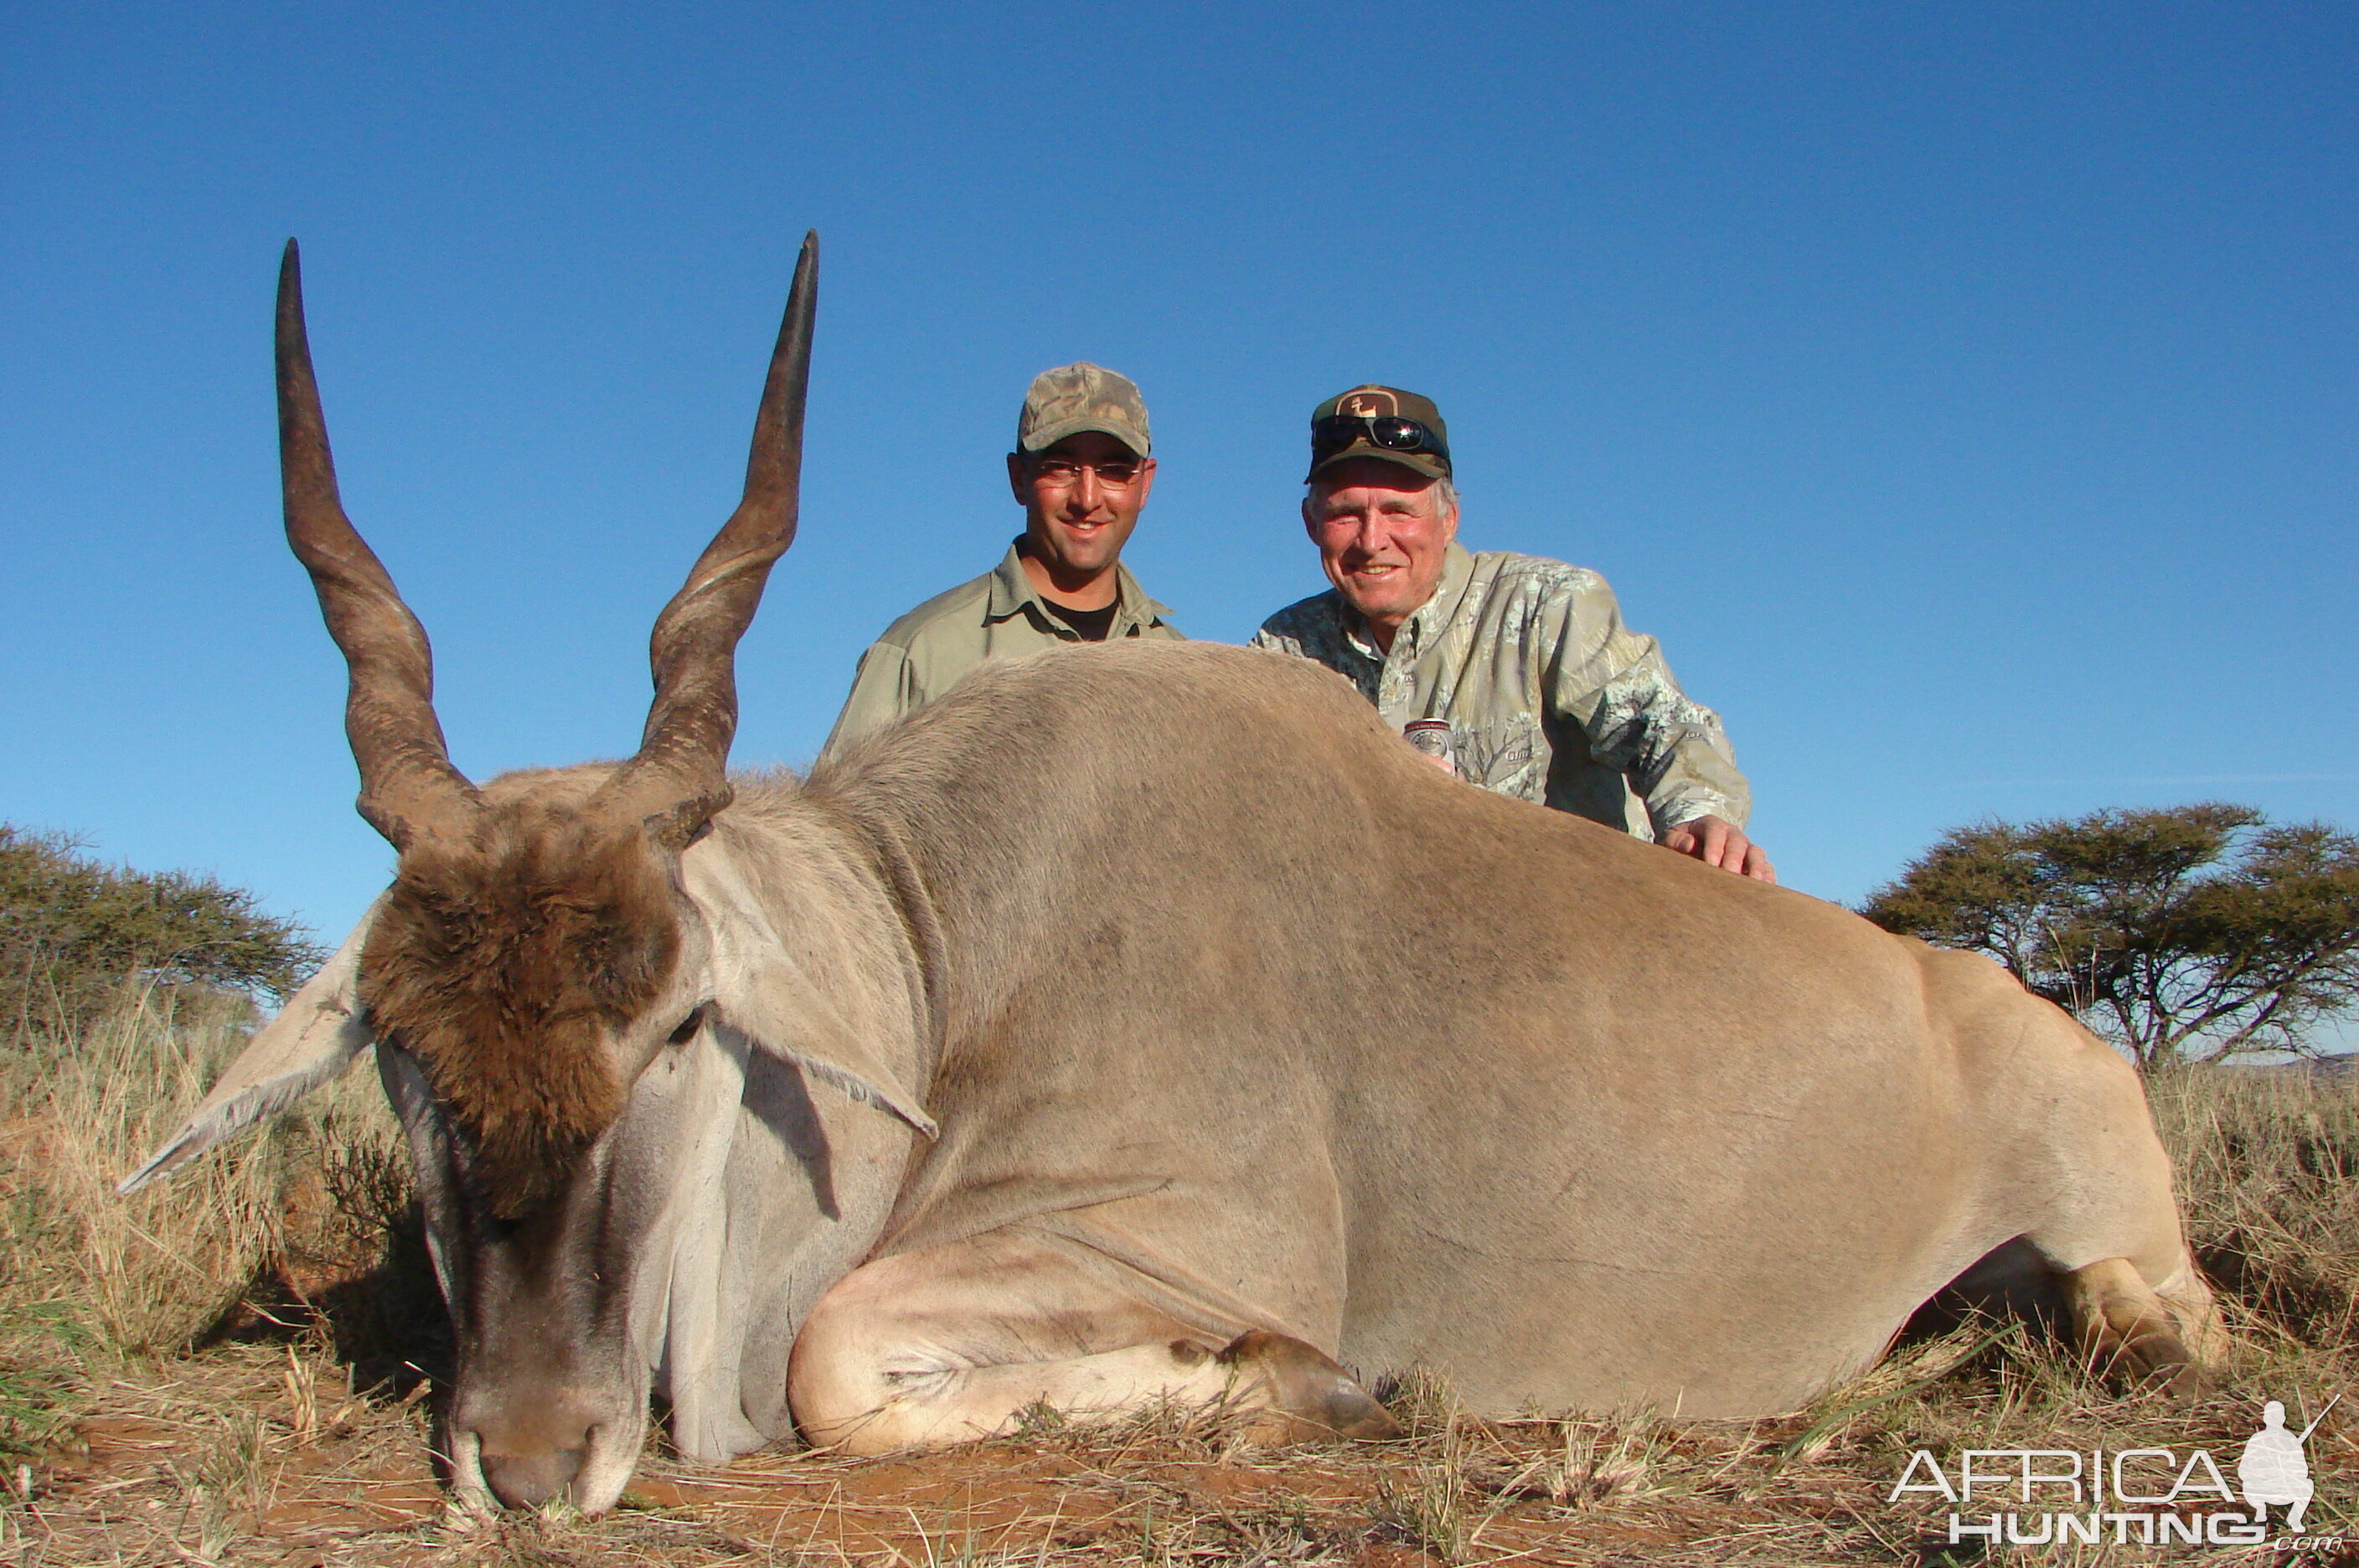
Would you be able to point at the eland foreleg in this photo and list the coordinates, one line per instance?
(965, 1341)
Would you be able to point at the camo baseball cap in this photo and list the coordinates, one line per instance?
(1082, 397)
(1428, 456)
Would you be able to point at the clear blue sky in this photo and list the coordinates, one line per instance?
(1965, 394)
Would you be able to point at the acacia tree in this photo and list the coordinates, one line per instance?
(2197, 932)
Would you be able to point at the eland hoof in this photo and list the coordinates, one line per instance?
(1310, 1396)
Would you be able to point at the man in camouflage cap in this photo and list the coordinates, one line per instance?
(1082, 468)
(1548, 697)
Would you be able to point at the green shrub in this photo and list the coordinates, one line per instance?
(73, 931)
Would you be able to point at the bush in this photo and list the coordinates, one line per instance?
(73, 931)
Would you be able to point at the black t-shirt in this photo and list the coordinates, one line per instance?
(1091, 624)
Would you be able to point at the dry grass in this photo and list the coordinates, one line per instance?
(88, 1280)
(234, 1368)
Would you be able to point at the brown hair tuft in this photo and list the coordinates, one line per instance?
(505, 965)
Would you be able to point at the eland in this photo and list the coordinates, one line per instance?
(1137, 1024)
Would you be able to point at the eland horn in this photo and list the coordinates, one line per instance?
(408, 788)
(680, 776)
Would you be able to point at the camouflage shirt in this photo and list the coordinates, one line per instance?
(1550, 697)
(997, 615)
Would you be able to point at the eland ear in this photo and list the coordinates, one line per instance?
(834, 1032)
(838, 1063)
(309, 1044)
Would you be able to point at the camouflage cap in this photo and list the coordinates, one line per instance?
(1082, 397)
(1430, 457)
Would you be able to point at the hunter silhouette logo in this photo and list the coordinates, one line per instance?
(2275, 1469)
(2146, 1497)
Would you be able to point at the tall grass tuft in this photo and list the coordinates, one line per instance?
(88, 1279)
(2266, 1165)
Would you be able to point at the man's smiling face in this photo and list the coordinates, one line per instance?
(1381, 532)
(1078, 517)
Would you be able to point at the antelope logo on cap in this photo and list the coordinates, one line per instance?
(1369, 401)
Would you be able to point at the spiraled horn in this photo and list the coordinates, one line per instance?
(407, 785)
(681, 773)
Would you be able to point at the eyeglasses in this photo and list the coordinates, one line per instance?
(1390, 431)
(1064, 473)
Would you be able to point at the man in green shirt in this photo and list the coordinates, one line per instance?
(1548, 695)
(1082, 469)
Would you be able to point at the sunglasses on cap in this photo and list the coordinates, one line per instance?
(1392, 432)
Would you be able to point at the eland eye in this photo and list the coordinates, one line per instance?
(688, 1027)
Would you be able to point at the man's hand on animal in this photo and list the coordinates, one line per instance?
(1719, 843)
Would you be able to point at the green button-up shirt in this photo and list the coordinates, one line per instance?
(997, 615)
(1550, 697)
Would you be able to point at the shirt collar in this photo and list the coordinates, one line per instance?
(1012, 592)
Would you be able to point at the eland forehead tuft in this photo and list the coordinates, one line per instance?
(505, 965)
